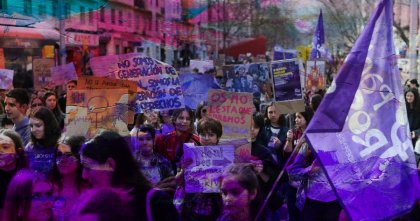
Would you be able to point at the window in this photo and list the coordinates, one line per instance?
(27, 7)
(149, 21)
(3, 5)
(82, 15)
(90, 16)
(102, 14)
(54, 11)
(113, 16)
(137, 22)
(67, 9)
(41, 10)
(129, 20)
(120, 17)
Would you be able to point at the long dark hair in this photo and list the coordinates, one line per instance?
(416, 102)
(178, 112)
(17, 140)
(52, 130)
(282, 119)
(109, 144)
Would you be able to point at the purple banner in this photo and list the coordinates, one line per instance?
(286, 80)
(360, 132)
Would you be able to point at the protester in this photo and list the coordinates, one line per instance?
(274, 132)
(36, 102)
(50, 99)
(108, 162)
(202, 206)
(200, 113)
(413, 114)
(29, 197)
(153, 165)
(414, 84)
(71, 85)
(315, 197)
(16, 104)
(153, 118)
(12, 159)
(70, 183)
(170, 145)
(104, 204)
(45, 132)
(240, 193)
(167, 125)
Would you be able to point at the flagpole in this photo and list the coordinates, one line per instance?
(413, 34)
(276, 183)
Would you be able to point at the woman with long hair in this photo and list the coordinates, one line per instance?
(70, 182)
(50, 100)
(413, 114)
(12, 159)
(29, 198)
(108, 162)
(45, 132)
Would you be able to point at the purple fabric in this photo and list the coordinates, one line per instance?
(360, 132)
(318, 40)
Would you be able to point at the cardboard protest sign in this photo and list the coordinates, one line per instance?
(208, 163)
(201, 66)
(91, 82)
(41, 68)
(60, 75)
(315, 74)
(290, 107)
(157, 82)
(233, 110)
(242, 149)
(286, 80)
(89, 112)
(196, 87)
(6, 79)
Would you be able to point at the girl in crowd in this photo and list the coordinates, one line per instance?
(108, 162)
(153, 118)
(45, 132)
(50, 99)
(11, 160)
(203, 206)
(153, 165)
(274, 132)
(200, 113)
(167, 125)
(170, 145)
(29, 198)
(315, 196)
(70, 182)
(413, 113)
(36, 102)
(240, 193)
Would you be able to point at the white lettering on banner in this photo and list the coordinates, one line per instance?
(360, 122)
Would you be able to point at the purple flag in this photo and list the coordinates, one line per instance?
(360, 132)
(318, 50)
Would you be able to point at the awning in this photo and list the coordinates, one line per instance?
(29, 33)
(254, 46)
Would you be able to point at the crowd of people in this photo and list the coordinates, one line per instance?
(46, 175)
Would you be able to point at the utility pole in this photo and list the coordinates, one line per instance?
(414, 12)
(62, 17)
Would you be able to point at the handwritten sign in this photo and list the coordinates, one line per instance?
(158, 83)
(233, 110)
(6, 79)
(91, 82)
(41, 68)
(208, 163)
(242, 149)
(89, 112)
(315, 74)
(62, 74)
(286, 80)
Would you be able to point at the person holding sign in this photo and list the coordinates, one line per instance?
(170, 144)
(50, 99)
(202, 206)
